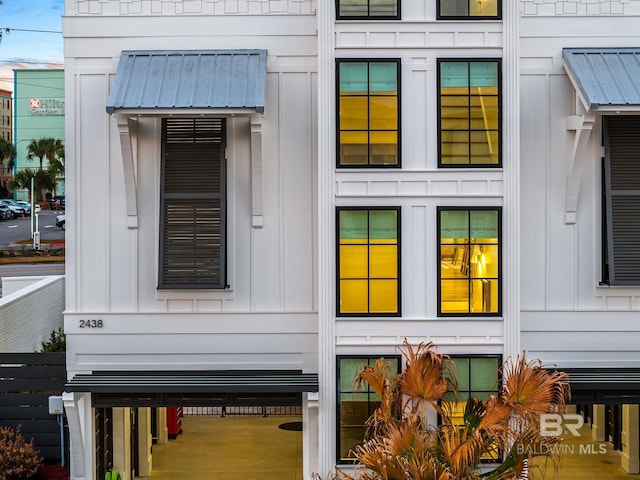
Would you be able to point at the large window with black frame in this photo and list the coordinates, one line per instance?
(356, 406)
(368, 113)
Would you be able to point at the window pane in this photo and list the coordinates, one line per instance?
(462, 369)
(454, 78)
(484, 224)
(484, 296)
(353, 113)
(354, 296)
(353, 261)
(454, 296)
(454, 8)
(383, 261)
(349, 368)
(383, 77)
(378, 8)
(354, 8)
(485, 374)
(384, 296)
(354, 226)
(383, 113)
(383, 225)
(454, 224)
(484, 8)
(483, 74)
(349, 439)
(353, 77)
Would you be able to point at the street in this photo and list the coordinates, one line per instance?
(18, 229)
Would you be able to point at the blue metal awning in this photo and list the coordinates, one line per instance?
(151, 80)
(607, 79)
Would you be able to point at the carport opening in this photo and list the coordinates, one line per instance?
(202, 442)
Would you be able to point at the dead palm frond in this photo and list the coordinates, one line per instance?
(531, 389)
(427, 376)
(380, 379)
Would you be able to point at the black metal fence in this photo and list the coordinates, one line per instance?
(26, 382)
(264, 411)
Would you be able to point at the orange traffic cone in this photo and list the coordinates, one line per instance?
(23, 215)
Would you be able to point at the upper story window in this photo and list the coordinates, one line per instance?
(355, 407)
(621, 200)
(368, 107)
(469, 119)
(469, 9)
(469, 270)
(368, 261)
(368, 9)
(193, 204)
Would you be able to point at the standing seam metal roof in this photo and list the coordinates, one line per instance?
(189, 79)
(605, 77)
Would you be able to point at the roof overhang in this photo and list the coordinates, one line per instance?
(194, 382)
(604, 385)
(155, 82)
(607, 80)
(194, 388)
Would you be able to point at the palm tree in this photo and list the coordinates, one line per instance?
(402, 446)
(7, 151)
(44, 147)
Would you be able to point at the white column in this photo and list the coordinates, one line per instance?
(511, 172)
(161, 423)
(326, 246)
(145, 439)
(122, 441)
(598, 425)
(630, 459)
(310, 434)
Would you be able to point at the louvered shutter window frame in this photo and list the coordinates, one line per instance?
(622, 193)
(193, 204)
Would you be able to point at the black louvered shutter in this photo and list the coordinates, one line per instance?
(622, 184)
(192, 200)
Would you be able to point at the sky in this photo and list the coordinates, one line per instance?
(29, 49)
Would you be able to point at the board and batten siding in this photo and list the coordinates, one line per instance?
(568, 318)
(268, 313)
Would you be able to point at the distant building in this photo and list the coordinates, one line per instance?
(6, 122)
(39, 112)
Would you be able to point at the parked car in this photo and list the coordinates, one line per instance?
(5, 213)
(16, 209)
(57, 202)
(25, 205)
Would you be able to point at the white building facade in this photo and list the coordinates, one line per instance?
(283, 191)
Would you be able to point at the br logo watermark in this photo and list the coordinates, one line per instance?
(555, 424)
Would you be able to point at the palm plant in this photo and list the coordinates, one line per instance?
(45, 147)
(402, 445)
(7, 151)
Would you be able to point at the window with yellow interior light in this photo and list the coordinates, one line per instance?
(355, 405)
(368, 113)
(368, 257)
(477, 377)
(469, 119)
(469, 9)
(469, 269)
